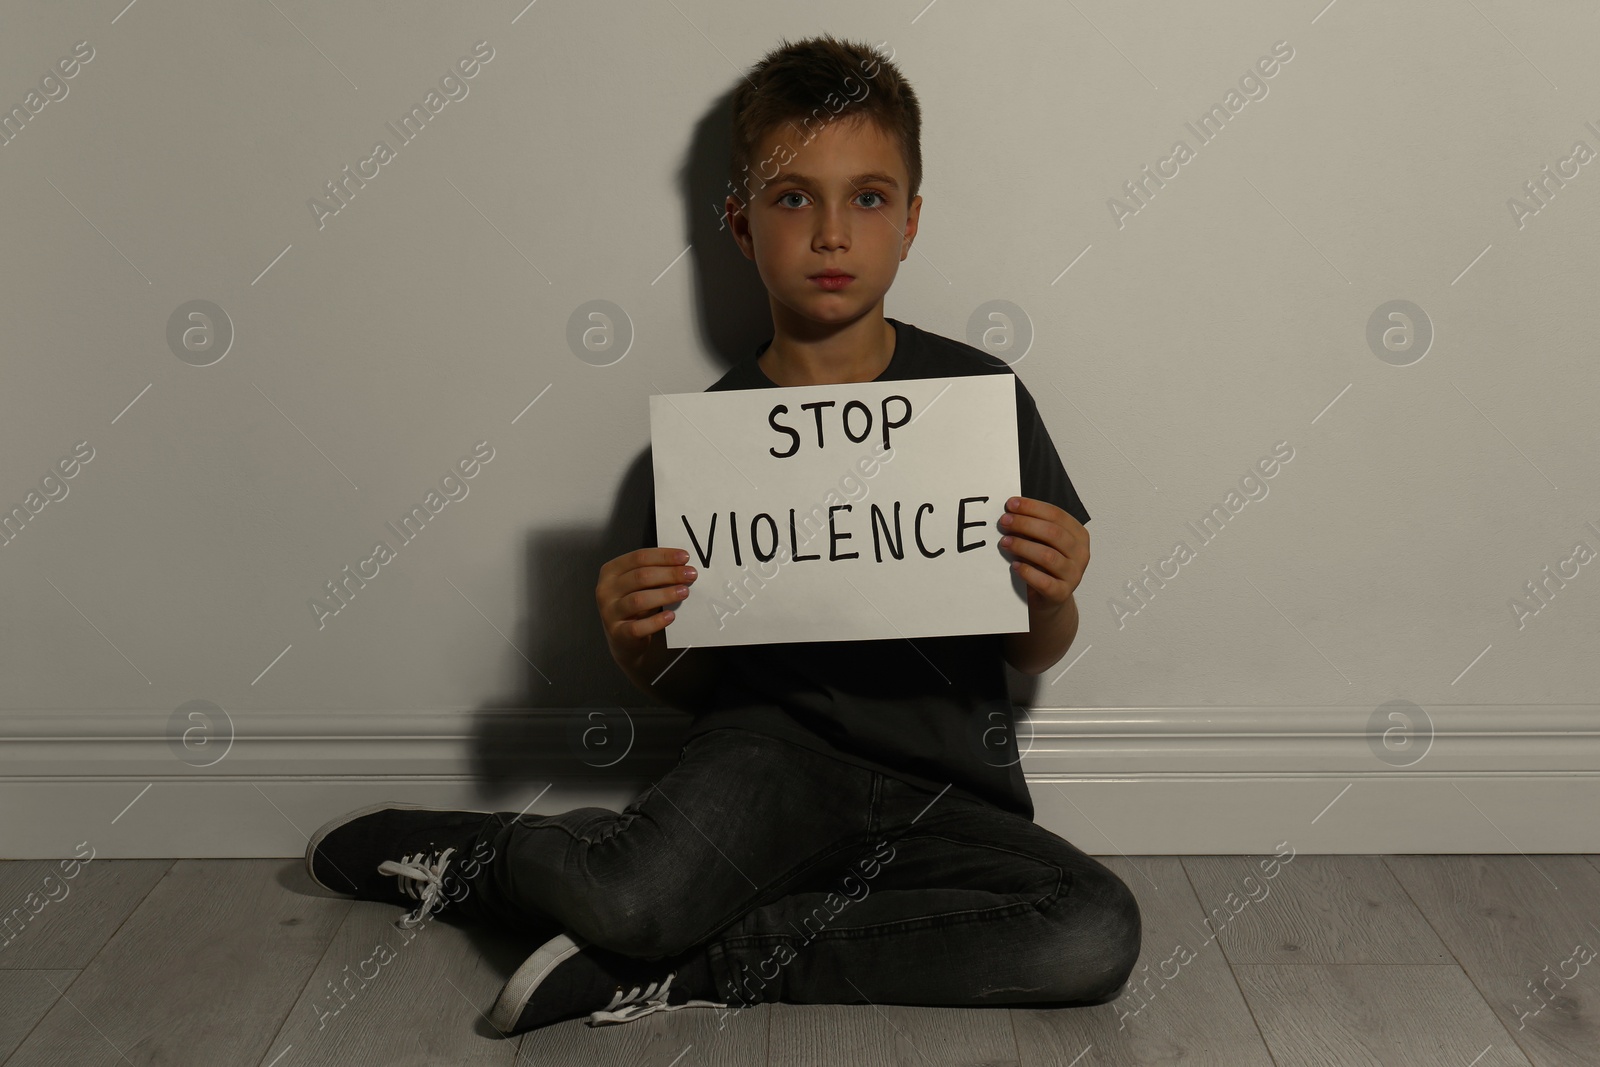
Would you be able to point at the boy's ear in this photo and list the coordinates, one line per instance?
(739, 225)
(912, 214)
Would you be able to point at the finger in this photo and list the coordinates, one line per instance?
(644, 559)
(1027, 505)
(657, 577)
(673, 557)
(668, 565)
(1051, 589)
(637, 604)
(1032, 575)
(641, 568)
(645, 578)
(648, 625)
(1041, 530)
(640, 557)
(1043, 557)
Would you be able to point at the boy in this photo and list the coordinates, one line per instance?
(847, 821)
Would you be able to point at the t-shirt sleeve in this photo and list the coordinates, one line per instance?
(647, 536)
(1043, 476)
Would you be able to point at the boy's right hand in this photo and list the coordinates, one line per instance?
(634, 595)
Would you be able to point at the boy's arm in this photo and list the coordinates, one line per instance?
(691, 673)
(1039, 547)
(690, 678)
(1051, 632)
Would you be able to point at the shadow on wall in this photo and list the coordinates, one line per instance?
(577, 716)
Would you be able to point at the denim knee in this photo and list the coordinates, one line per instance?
(631, 923)
(1100, 934)
(1123, 937)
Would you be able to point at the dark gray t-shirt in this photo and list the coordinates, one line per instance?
(932, 711)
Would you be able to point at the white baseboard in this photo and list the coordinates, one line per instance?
(1130, 781)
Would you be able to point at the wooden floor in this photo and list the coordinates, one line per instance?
(1404, 960)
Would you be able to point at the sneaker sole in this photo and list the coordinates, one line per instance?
(350, 816)
(536, 968)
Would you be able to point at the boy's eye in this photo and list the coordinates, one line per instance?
(880, 198)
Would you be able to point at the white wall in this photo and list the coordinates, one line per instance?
(371, 353)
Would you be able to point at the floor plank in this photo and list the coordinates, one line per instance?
(362, 1005)
(1181, 1005)
(203, 971)
(1383, 1016)
(55, 921)
(894, 1035)
(691, 1037)
(27, 996)
(1521, 927)
(1318, 909)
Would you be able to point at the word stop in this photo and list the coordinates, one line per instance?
(844, 422)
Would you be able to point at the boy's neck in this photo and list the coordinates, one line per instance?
(857, 353)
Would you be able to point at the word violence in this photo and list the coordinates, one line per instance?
(880, 534)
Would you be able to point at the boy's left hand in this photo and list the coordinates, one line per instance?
(1051, 550)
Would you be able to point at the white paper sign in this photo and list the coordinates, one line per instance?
(802, 509)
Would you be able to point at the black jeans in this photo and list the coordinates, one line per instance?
(806, 879)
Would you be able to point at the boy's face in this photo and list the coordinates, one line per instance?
(838, 201)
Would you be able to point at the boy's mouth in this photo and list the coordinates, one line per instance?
(832, 279)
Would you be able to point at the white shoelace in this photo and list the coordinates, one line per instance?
(420, 876)
(625, 1007)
